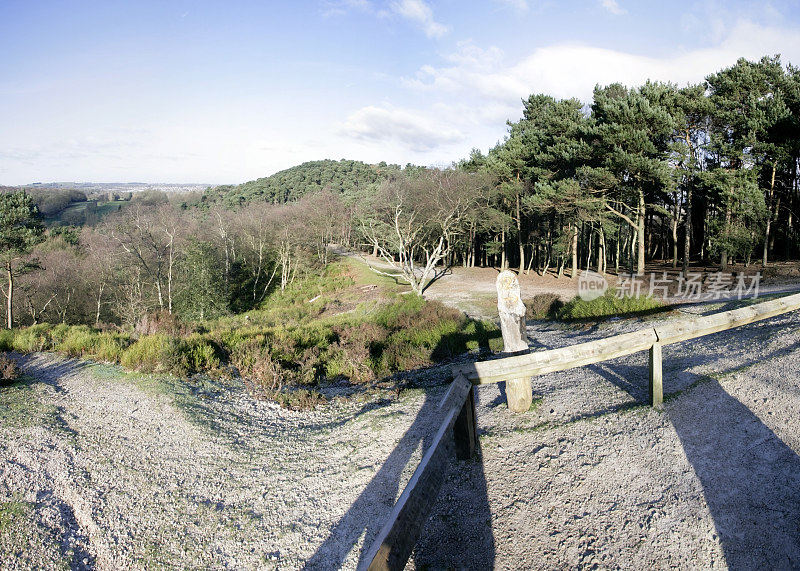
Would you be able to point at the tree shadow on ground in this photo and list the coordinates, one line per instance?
(49, 372)
(750, 478)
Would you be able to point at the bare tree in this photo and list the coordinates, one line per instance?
(412, 223)
(150, 237)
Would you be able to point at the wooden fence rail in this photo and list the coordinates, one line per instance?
(458, 432)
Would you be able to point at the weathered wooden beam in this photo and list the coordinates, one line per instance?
(656, 375)
(393, 546)
(563, 358)
(684, 329)
(553, 360)
(456, 393)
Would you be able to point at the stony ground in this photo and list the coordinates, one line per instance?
(592, 479)
(101, 469)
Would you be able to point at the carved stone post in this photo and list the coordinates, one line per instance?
(515, 338)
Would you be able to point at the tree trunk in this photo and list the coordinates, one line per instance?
(675, 221)
(589, 249)
(601, 258)
(99, 304)
(519, 235)
(770, 215)
(574, 251)
(503, 260)
(687, 239)
(723, 262)
(640, 232)
(10, 295)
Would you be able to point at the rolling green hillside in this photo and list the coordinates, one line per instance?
(287, 185)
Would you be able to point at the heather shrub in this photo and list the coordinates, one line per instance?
(356, 353)
(297, 399)
(9, 370)
(6, 340)
(543, 306)
(255, 364)
(609, 305)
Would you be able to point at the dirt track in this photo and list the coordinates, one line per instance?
(114, 474)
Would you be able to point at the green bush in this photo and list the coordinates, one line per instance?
(200, 354)
(608, 305)
(157, 353)
(33, 338)
(6, 340)
(109, 347)
(75, 341)
(58, 333)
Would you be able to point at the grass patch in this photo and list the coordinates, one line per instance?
(12, 513)
(21, 406)
(24, 542)
(363, 276)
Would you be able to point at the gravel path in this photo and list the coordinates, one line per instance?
(116, 476)
(99, 469)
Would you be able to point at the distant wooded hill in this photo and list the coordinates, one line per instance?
(288, 185)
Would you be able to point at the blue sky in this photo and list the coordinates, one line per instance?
(218, 92)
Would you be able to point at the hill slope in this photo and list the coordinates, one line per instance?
(342, 176)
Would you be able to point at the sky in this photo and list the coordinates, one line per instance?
(225, 92)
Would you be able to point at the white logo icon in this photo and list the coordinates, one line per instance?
(591, 285)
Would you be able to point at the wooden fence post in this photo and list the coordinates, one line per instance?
(515, 339)
(656, 375)
(465, 430)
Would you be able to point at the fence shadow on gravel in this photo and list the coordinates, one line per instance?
(459, 529)
(366, 515)
(747, 498)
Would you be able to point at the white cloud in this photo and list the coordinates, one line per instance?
(414, 130)
(420, 13)
(613, 7)
(572, 70)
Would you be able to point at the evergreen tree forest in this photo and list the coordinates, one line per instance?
(705, 172)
